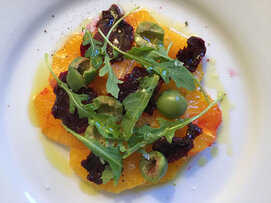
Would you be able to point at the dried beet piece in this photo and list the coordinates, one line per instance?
(61, 106)
(131, 82)
(83, 49)
(180, 146)
(94, 167)
(192, 54)
(122, 36)
(152, 103)
(108, 18)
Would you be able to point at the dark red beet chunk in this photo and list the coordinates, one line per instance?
(61, 107)
(131, 82)
(83, 49)
(192, 54)
(180, 146)
(122, 36)
(94, 167)
(152, 103)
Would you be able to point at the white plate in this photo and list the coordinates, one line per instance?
(239, 33)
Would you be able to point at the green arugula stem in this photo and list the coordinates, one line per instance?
(163, 56)
(201, 88)
(190, 120)
(50, 69)
(89, 36)
(169, 47)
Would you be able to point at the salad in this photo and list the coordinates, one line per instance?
(126, 98)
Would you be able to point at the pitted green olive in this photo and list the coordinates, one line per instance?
(109, 106)
(80, 73)
(153, 166)
(171, 104)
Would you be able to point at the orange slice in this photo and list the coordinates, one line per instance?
(64, 56)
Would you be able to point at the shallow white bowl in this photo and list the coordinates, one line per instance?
(239, 35)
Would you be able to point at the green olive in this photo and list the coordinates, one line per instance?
(153, 166)
(80, 73)
(109, 106)
(171, 104)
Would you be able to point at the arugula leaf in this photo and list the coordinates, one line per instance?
(112, 81)
(107, 175)
(93, 51)
(109, 106)
(122, 147)
(201, 88)
(108, 153)
(164, 124)
(136, 103)
(106, 125)
(169, 47)
(147, 135)
(93, 133)
(176, 71)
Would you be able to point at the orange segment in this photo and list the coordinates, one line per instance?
(64, 56)
(179, 41)
(210, 121)
(138, 17)
(76, 156)
(123, 67)
(50, 126)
